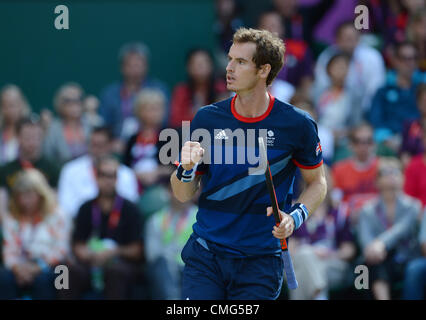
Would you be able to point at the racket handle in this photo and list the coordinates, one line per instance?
(289, 270)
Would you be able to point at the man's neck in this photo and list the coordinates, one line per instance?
(106, 203)
(252, 104)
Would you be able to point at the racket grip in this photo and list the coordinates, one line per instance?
(289, 270)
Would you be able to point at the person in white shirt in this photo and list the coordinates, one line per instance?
(77, 183)
(367, 71)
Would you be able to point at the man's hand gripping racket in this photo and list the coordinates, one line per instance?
(288, 264)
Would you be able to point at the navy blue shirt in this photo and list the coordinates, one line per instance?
(232, 205)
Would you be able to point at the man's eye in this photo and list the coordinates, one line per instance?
(241, 62)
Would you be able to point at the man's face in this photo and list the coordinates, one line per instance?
(363, 144)
(406, 60)
(134, 67)
(390, 180)
(99, 145)
(347, 39)
(106, 178)
(241, 72)
(71, 104)
(30, 141)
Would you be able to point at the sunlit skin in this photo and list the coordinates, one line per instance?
(248, 81)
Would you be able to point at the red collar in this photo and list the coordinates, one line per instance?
(256, 119)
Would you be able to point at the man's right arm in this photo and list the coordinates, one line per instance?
(191, 154)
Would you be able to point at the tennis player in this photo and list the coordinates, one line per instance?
(234, 251)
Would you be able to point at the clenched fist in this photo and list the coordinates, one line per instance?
(191, 154)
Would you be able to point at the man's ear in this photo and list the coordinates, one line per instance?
(264, 71)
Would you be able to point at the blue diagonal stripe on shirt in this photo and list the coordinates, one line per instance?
(246, 182)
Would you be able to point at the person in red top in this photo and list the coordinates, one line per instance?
(355, 177)
(415, 175)
(201, 88)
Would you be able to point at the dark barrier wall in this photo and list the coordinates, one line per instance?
(39, 58)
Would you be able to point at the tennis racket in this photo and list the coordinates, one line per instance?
(285, 254)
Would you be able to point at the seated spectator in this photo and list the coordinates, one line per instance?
(415, 174)
(395, 103)
(227, 22)
(415, 273)
(416, 33)
(298, 66)
(106, 241)
(300, 20)
(387, 230)
(201, 88)
(412, 144)
(30, 138)
(166, 233)
(77, 180)
(325, 134)
(142, 151)
(116, 106)
(66, 137)
(91, 108)
(13, 107)
(355, 178)
(366, 72)
(36, 239)
(337, 106)
(322, 249)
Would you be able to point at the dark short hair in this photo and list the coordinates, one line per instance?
(270, 49)
(32, 120)
(343, 25)
(339, 55)
(105, 130)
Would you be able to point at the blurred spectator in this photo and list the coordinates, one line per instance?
(13, 106)
(396, 101)
(166, 233)
(412, 143)
(77, 181)
(325, 134)
(201, 88)
(227, 22)
(142, 151)
(106, 241)
(116, 106)
(338, 107)
(300, 21)
(30, 138)
(415, 273)
(66, 137)
(355, 178)
(366, 72)
(298, 66)
(415, 174)
(387, 230)
(416, 33)
(322, 249)
(36, 239)
(90, 107)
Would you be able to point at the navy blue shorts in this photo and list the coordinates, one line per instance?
(207, 276)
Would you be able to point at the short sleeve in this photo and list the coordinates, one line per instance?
(308, 155)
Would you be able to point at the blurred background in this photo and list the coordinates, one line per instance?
(81, 110)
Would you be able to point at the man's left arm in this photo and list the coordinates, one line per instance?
(312, 196)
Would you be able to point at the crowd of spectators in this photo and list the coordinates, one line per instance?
(82, 184)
